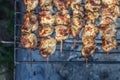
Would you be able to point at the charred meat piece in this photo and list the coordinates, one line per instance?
(87, 51)
(61, 4)
(44, 2)
(46, 30)
(90, 30)
(93, 5)
(77, 13)
(110, 2)
(63, 18)
(46, 17)
(31, 4)
(108, 43)
(30, 23)
(47, 46)
(29, 41)
(75, 4)
(92, 16)
(111, 11)
(62, 32)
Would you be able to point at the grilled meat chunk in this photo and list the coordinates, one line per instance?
(31, 4)
(75, 4)
(62, 32)
(47, 46)
(93, 5)
(30, 23)
(46, 17)
(45, 30)
(63, 18)
(29, 41)
(61, 4)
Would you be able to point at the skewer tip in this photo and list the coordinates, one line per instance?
(108, 53)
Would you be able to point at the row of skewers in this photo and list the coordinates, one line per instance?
(64, 24)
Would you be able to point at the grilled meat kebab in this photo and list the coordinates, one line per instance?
(88, 38)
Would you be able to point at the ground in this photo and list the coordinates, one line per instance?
(6, 34)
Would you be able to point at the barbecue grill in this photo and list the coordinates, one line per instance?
(69, 55)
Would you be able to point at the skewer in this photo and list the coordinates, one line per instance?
(31, 59)
(74, 45)
(47, 59)
(31, 63)
(108, 53)
(61, 42)
(86, 60)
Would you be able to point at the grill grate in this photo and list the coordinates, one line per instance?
(17, 28)
(19, 11)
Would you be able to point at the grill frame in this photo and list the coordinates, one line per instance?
(16, 43)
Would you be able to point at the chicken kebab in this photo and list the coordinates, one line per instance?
(88, 38)
(46, 20)
(62, 22)
(28, 38)
(90, 30)
(108, 31)
(76, 18)
(110, 13)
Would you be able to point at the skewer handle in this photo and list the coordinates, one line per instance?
(108, 53)
(74, 45)
(61, 46)
(86, 62)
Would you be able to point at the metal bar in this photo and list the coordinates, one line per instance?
(72, 40)
(14, 72)
(78, 41)
(37, 13)
(81, 62)
(65, 50)
(98, 41)
(21, 25)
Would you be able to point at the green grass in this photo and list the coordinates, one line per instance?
(7, 56)
(7, 52)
